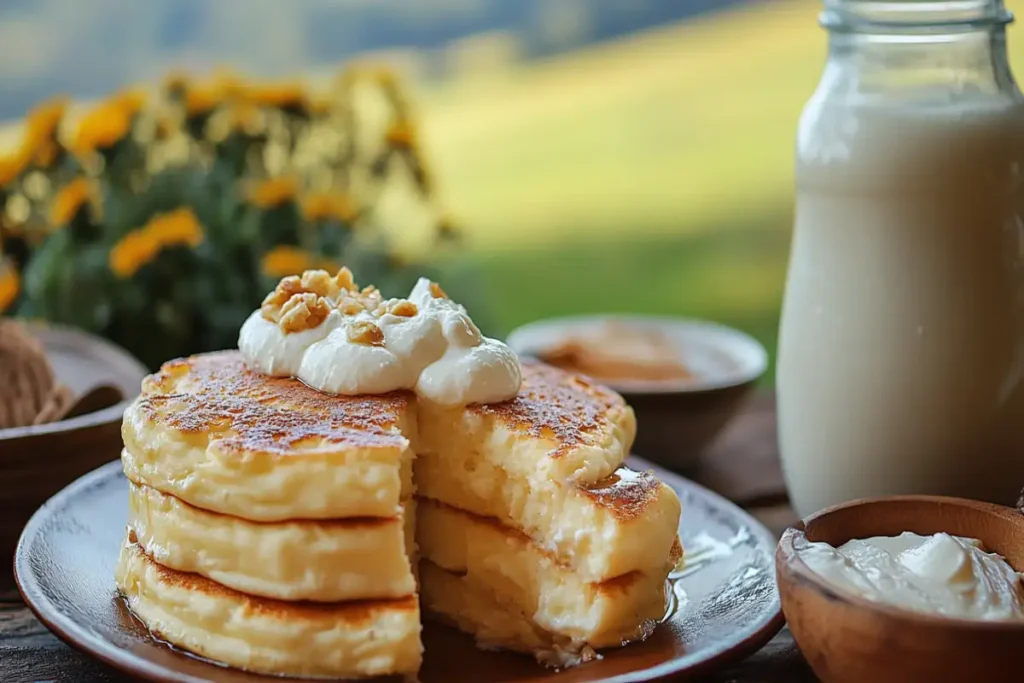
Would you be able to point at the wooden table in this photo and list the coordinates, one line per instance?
(743, 465)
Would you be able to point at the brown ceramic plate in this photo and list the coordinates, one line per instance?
(38, 461)
(726, 606)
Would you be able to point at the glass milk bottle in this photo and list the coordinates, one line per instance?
(900, 352)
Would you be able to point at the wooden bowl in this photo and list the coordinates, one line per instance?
(849, 639)
(677, 419)
(38, 461)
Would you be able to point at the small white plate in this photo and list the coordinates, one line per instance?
(718, 356)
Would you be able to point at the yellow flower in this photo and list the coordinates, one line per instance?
(324, 205)
(139, 247)
(279, 95)
(272, 193)
(41, 126)
(401, 134)
(68, 201)
(10, 285)
(11, 167)
(285, 260)
(109, 123)
(202, 99)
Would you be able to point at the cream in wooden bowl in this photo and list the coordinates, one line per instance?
(684, 378)
(906, 589)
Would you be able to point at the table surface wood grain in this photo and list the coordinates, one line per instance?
(743, 465)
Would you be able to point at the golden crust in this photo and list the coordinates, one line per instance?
(627, 494)
(557, 406)
(217, 395)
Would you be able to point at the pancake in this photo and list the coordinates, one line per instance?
(529, 581)
(220, 437)
(451, 599)
(328, 640)
(318, 560)
(622, 523)
(560, 427)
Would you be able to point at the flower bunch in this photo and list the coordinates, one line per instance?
(160, 217)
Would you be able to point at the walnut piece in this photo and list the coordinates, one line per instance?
(285, 290)
(403, 308)
(320, 283)
(350, 305)
(304, 311)
(365, 332)
(344, 280)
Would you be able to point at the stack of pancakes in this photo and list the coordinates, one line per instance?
(270, 526)
(275, 529)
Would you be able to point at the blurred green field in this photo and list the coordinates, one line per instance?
(651, 174)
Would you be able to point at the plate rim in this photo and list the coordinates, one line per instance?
(750, 639)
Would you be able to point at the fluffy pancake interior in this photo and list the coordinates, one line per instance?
(328, 561)
(507, 564)
(493, 624)
(623, 523)
(342, 640)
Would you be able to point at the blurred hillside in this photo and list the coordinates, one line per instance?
(90, 48)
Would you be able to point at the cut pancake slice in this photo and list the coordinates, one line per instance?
(318, 560)
(471, 608)
(625, 522)
(560, 427)
(323, 640)
(220, 437)
(506, 564)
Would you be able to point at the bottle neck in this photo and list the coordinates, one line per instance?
(910, 48)
(913, 17)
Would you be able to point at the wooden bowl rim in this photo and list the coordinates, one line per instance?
(522, 341)
(102, 417)
(791, 569)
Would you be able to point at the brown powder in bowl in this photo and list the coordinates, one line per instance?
(618, 351)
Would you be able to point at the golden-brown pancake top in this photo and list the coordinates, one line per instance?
(554, 404)
(217, 395)
(628, 494)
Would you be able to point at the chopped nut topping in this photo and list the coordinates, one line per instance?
(365, 332)
(437, 292)
(371, 298)
(286, 288)
(344, 280)
(402, 308)
(350, 305)
(320, 283)
(303, 311)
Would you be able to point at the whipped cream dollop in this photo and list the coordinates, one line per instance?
(342, 340)
(940, 574)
